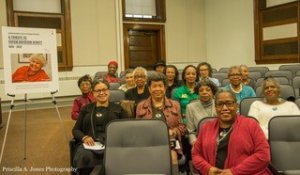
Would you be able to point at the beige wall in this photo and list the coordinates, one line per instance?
(185, 35)
(93, 32)
(229, 32)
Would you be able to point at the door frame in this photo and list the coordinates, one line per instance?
(161, 39)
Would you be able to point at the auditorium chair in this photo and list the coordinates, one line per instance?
(296, 85)
(280, 73)
(255, 75)
(137, 147)
(261, 69)
(245, 104)
(114, 86)
(297, 101)
(284, 140)
(116, 96)
(292, 67)
(280, 80)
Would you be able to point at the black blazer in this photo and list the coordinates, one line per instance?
(83, 125)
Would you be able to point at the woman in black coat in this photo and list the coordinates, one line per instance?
(90, 127)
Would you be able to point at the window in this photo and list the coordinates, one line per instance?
(277, 31)
(145, 10)
(54, 14)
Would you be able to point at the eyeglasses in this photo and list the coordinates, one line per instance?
(228, 104)
(101, 90)
(235, 75)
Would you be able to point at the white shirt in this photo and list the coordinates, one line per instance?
(264, 112)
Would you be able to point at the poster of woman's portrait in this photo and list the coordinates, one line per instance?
(31, 68)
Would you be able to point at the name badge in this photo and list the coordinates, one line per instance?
(184, 96)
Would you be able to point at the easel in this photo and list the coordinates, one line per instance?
(25, 117)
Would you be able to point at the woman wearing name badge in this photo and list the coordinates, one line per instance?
(90, 127)
(272, 105)
(33, 72)
(186, 92)
(231, 144)
(158, 106)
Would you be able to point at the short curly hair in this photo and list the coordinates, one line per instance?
(86, 77)
(208, 83)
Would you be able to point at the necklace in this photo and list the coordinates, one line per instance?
(98, 114)
(238, 91)
(224, 132)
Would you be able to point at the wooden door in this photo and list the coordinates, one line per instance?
(143, 45)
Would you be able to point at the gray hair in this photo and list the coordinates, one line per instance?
(270, 79)
(142, 69)
(234, 67)
(40, 58)
(157, 77)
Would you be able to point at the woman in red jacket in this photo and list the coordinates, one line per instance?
(231, 144)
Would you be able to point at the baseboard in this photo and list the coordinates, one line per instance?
(33, 104)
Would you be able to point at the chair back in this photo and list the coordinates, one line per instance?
(284, 140)
(220, 76)
(214, 70)
(224, 70)
(255, 75)
(280, 80)
(114, 86)
(293, 68)
(100, 75)
(297, 101)
(296, 85)
(280, 73)
(285, 91)
(245, 104)
(116, 95)
(262, 70)
(137, 147)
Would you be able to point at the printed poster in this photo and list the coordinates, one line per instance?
(30, 60)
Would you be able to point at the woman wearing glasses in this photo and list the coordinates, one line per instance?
(231, 144)
(90, 127)
(140, 92)
(272, 105)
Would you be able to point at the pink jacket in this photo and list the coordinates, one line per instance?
(248, 149)
(80, 102)
(171, 112)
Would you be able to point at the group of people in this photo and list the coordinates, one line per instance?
(228, 144)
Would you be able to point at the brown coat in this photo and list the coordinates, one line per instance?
(171, 112)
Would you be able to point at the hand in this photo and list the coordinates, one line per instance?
(172, 133)
(226, 172)
(214, 171)
(193, 144)
(89, 141)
